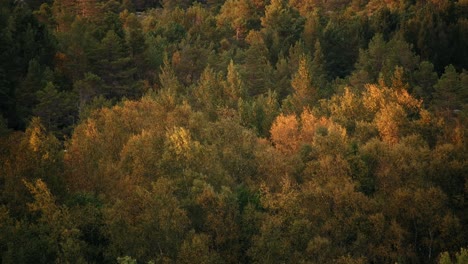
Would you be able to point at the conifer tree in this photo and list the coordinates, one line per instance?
(237, 15)
(282, 25)
(318, 71)
(256, 70)
(234, 88)
(116, 68)
(305, 94)
(26, 92)
(448, 91)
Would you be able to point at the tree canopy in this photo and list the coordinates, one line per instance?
(238, 131)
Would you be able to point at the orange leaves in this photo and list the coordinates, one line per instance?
(288, 133)
(388, 121)
(374, 97)
(391, 111)
(406, 100)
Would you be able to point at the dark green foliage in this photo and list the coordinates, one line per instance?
(340, 46)
(116, 68)
(22, 39)
(449, 91)
(58, 110)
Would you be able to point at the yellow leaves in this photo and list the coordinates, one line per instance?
(374, 97)
(91, 129)
(388, 121)
(309, 125)
(235, 14)
(179, 140)
(304, 93)
(148, 216)
(169, 213)
(301, 80)
(345, 104)
(44, 201)
(34, 141)
(43, 145)
(37, 135)
(271, 164)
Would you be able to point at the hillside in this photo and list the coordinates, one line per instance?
(237, 131)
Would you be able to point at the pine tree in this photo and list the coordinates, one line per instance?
(233, 86)
(26, 92)
(88, 88)
(208, 93)
(318, 71)
(448, 91)
(256, 70)
(282, 25)
(237, 15)
(116, 68)
(136, 41)
(58, 110)
(282, 78)
(305, 94)
(424, 79)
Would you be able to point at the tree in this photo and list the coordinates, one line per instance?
(318, 72)
(29, 155)
(461, 257)
(209, 94)
(388, 121)
(160, 223)
(256, 69)
(136, 41)
(23, 40)
(259, 113)
(116, 68)
(58, 110)
(282, 26)
(305, 94)
(168, 79)
(25, 93)
(55, 224)
(76, 50)
(233, 87)
(196, 248)
(221, 216)
(340, 45)
(282, 78)
(448, 91)
(424, 79)
(380, 60)
(191, 59)
(174, 4)
(88, 88)
(237, 15)
(284, 231)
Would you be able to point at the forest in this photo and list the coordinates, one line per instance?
(234, 131)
